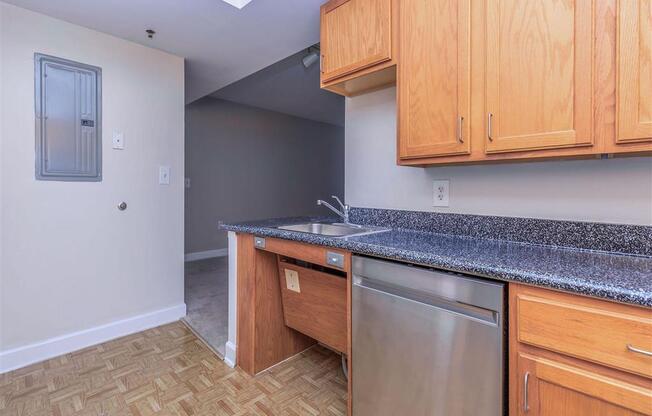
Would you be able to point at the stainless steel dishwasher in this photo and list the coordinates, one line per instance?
(425, 342)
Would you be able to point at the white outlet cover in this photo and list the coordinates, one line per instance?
(118, 140)
(164, 175)
(440, 191)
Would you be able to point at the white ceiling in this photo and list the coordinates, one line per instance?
(221, 43)
(288, 87)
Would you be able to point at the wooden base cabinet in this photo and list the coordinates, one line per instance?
(575, 356)
(551, 388)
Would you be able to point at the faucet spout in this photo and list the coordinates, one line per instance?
(344, 214)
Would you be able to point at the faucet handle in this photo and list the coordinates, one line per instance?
(344, 207)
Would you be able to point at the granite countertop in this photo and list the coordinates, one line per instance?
(613, 276)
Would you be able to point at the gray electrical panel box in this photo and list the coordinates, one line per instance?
(68, 97)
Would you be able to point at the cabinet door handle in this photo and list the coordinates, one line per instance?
(631, 348)
(460, 136)
(526, 382)
(489, 126)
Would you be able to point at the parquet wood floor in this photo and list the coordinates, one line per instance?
(168, 371)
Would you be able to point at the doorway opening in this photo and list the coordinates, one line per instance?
(267, 146)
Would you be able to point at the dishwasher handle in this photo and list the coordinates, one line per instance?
(477, 313)
(456, 287)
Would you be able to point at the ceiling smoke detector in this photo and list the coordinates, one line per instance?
(237, 3)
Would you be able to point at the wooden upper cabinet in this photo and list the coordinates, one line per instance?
(497, 80)
(355, 34)
(434, 78)
(539, 74)
(634, 67)
(547, 387)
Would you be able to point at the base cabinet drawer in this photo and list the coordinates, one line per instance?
(614, 335)
(314, 302)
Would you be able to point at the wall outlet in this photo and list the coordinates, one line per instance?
(186, 183)
(164, 175)
(441, 193)
(118, 140)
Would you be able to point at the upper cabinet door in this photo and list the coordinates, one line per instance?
(539, 74)
(355, 34)
(434, 78)
(634, 88)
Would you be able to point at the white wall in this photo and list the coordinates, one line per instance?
(70, 260)
(615, 190)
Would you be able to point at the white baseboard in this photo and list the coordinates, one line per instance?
(53, 347)
(201, 255)
(229, 354)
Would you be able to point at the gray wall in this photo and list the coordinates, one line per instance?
(246, 163)
(615, 190)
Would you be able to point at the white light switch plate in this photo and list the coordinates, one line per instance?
(292, 280)
(440, 193)
(118, 140)
(164, 175)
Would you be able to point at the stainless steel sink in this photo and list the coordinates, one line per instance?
(332, 229)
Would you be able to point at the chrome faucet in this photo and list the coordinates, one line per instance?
(344, 213)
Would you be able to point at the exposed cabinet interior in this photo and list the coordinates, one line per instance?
(434, 101)
(357, 45)
(274, 321)
(634, 87)
(263, 339)
(539, 78)
(314, 301)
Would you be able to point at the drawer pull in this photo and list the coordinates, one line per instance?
(526, 382)
(631, 348)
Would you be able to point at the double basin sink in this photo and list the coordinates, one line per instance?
(337, 230)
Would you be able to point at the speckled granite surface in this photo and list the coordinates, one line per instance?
(613, 276)
(616, 238)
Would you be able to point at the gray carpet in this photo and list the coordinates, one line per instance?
(207, 300)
